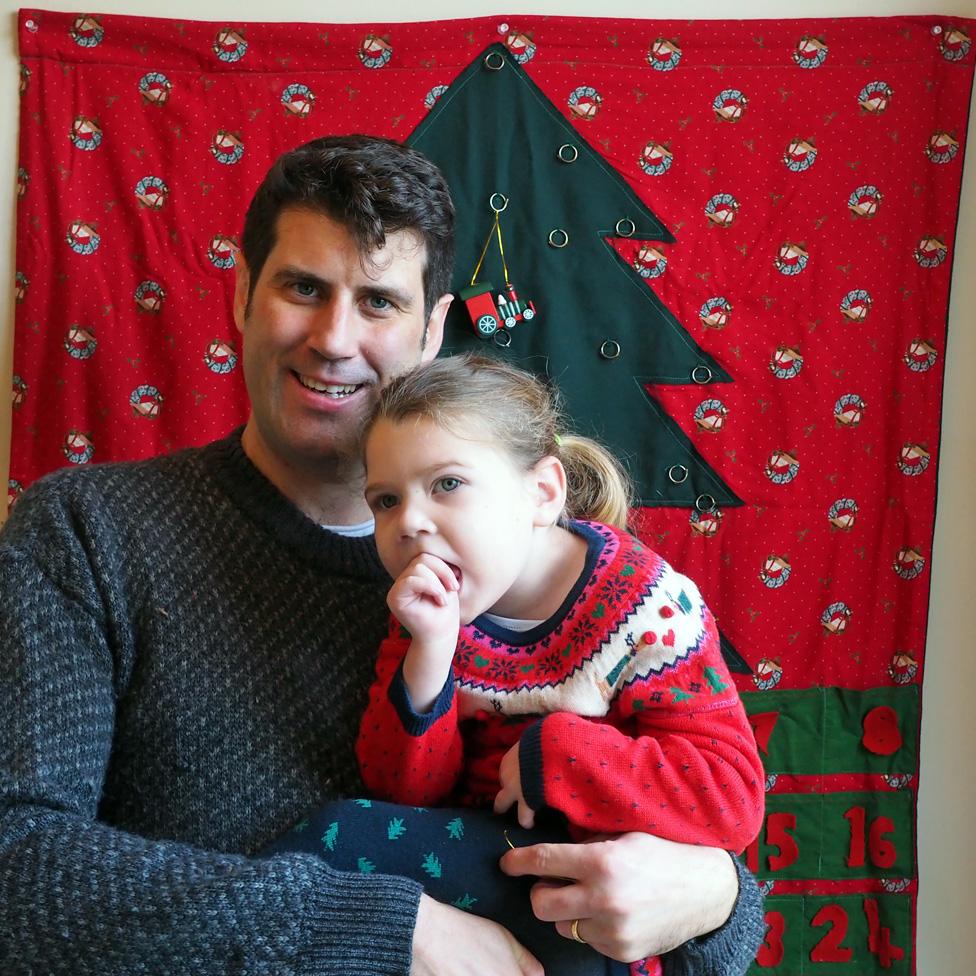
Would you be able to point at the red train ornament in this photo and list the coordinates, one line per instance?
(490, 314)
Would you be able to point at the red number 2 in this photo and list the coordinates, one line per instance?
(829, 948)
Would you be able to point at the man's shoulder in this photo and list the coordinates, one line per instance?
(71, 495)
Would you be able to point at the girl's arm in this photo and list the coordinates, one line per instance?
(679, 759)
(404, 755)
(692, 777)
(409, 745)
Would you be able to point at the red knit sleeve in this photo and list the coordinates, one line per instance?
(692, 777)
(405, 756)
(674, 757)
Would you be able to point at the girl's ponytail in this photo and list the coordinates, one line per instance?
(598, 487)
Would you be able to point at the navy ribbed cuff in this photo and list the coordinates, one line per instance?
(416, 723)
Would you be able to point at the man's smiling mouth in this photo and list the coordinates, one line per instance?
(334, 390)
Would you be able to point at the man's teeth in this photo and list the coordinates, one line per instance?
(332, 389)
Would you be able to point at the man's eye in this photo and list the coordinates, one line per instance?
(448, 484)
(378, 303)
(304, 288)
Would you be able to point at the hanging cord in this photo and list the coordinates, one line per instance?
(495, 231)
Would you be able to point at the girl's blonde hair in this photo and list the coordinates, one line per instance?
(519, 412)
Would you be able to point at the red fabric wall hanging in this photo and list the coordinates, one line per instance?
(809, 172)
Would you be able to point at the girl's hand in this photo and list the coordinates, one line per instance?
(510, 778)
(424, 598)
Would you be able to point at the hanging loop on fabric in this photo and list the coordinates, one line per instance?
(558, 237)
(498, 202)
(610, 349)
(567, 153)
(705, 503)
(503, 338)
(494, 61)
(677, 474)
(625, 227)
(701, 375)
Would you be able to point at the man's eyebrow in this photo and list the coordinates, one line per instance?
(291, 272)
(401, 297)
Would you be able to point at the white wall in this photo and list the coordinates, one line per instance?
(947, 843)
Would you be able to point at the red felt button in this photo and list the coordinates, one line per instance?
(881, 733)
(666, 612)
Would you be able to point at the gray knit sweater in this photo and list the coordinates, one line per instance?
(185, 658)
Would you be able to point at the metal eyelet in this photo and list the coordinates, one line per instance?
(558, 237)
(696, 375)
(498, 208)
(610, 349)
(491, 64)
(704, 505)
(625, 221)
(503, 338)
(677, 474)
(564, 151)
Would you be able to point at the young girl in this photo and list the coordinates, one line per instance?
(536, 660)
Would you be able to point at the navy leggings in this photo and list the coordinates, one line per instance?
(454, 853)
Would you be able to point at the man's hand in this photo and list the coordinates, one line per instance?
(424, 598)
(510, 779)
(449, 942)
(635, 895)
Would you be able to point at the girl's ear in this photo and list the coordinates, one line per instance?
(547, 481)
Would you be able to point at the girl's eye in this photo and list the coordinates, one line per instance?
(448, 484)
(384, 503)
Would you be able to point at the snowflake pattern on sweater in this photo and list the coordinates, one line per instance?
(625, 714)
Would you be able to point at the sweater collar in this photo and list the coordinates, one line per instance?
(266, 506)
(595, 544)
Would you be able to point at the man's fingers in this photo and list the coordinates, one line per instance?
(527, 963)
(575, 929)
(555, 902)
(544, 861)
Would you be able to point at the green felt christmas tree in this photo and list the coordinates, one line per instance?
(593, 327)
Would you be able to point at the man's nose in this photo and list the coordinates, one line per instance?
(333, 332)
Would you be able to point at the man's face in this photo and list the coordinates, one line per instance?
(324, 331)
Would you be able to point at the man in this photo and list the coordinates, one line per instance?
(187, 652)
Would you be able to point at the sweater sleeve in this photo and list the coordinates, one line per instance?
(406, 756)
(730, 950)
(675, 757)
(81, 897)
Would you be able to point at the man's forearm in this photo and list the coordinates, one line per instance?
(729, 948)
(133, 905)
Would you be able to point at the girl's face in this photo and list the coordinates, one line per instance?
(463, 500)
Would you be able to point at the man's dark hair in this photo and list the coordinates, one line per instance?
(373, 187)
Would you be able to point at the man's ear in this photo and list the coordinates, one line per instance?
(434, 332)
(241, 285)
(547, 482)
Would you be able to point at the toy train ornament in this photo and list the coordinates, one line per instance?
(493, 317)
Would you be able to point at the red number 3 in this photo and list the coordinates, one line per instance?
(771, 951)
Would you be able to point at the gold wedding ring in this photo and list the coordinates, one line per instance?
(574, 932)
